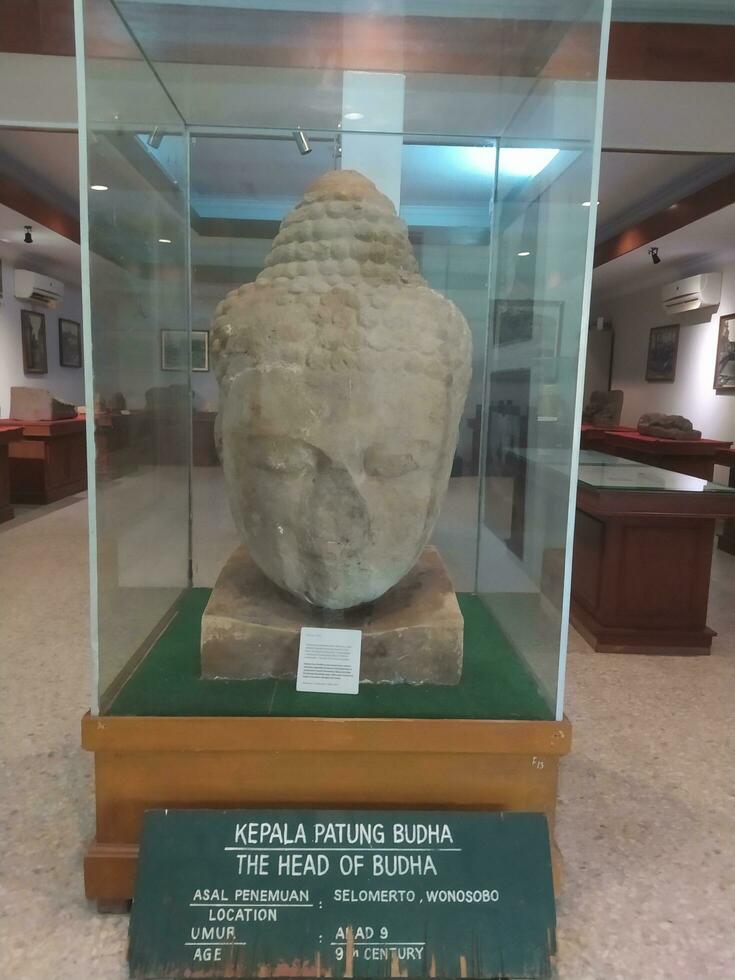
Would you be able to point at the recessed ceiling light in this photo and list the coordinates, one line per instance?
(522, 254)
(354, 115)
(514, 162)
(588, 204)
(165, 241)
(99, 187)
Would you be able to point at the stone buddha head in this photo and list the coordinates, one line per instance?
(342, 381)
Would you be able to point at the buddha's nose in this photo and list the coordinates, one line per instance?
(335, 517)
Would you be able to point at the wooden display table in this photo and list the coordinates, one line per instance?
(642, 558)
(49, 461)
(593, 437)
(726, 540)
(695, 457)
(8, 433)
(380, 763)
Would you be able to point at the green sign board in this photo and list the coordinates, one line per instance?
(342, 893)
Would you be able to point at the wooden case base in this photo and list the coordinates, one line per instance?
(612, 639)
(144, 763)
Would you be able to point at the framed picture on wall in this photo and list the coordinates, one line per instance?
(663, 344)
(534, 322)
(174, 354)
(33, 334)
(200, 350)
(520, 320)
(725, 359)
(70, 343)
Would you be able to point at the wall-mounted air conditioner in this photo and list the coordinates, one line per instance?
(37, 288)
(692, 293)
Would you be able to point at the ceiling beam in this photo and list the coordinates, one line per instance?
(37, 209)
(471, 46)
(37, 27)
(699, 204)
(671, 52)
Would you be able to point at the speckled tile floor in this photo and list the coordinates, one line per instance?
(646, 813)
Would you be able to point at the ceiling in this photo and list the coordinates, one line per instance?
(687, 251)
(50, 253)
(634, 185)
(47, 162)
(233, 173)
(264, 169)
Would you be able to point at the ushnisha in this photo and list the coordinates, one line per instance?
(342, 380)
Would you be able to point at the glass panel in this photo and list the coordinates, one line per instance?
(605, 472)
(479, 125)
(612, 473)
(546, 175)
(139, 338)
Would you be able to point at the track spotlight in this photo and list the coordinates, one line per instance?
(155, 139)
(301, 141)
(28, 237)
(653, 252)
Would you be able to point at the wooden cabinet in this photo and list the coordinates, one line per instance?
(8, 434)
(641, 572)
(49, 462)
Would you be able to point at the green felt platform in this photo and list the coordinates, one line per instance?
(495, 684)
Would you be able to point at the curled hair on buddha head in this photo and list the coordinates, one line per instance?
(415, 330)
(333, 293)
(343, 229)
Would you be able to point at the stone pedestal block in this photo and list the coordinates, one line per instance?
(412, 634)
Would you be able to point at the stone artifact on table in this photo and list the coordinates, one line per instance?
(667, 426)
(604, 409)
(38, 405)
(342, 377)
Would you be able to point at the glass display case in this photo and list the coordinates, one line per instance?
(337, 259)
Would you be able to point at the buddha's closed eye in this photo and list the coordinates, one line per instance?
(294, 457)
(282, 455)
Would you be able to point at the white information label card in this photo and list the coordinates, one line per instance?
(329, 661)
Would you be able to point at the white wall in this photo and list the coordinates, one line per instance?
(691, 393)
(64, 383)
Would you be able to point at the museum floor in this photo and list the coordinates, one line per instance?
(646, 814)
